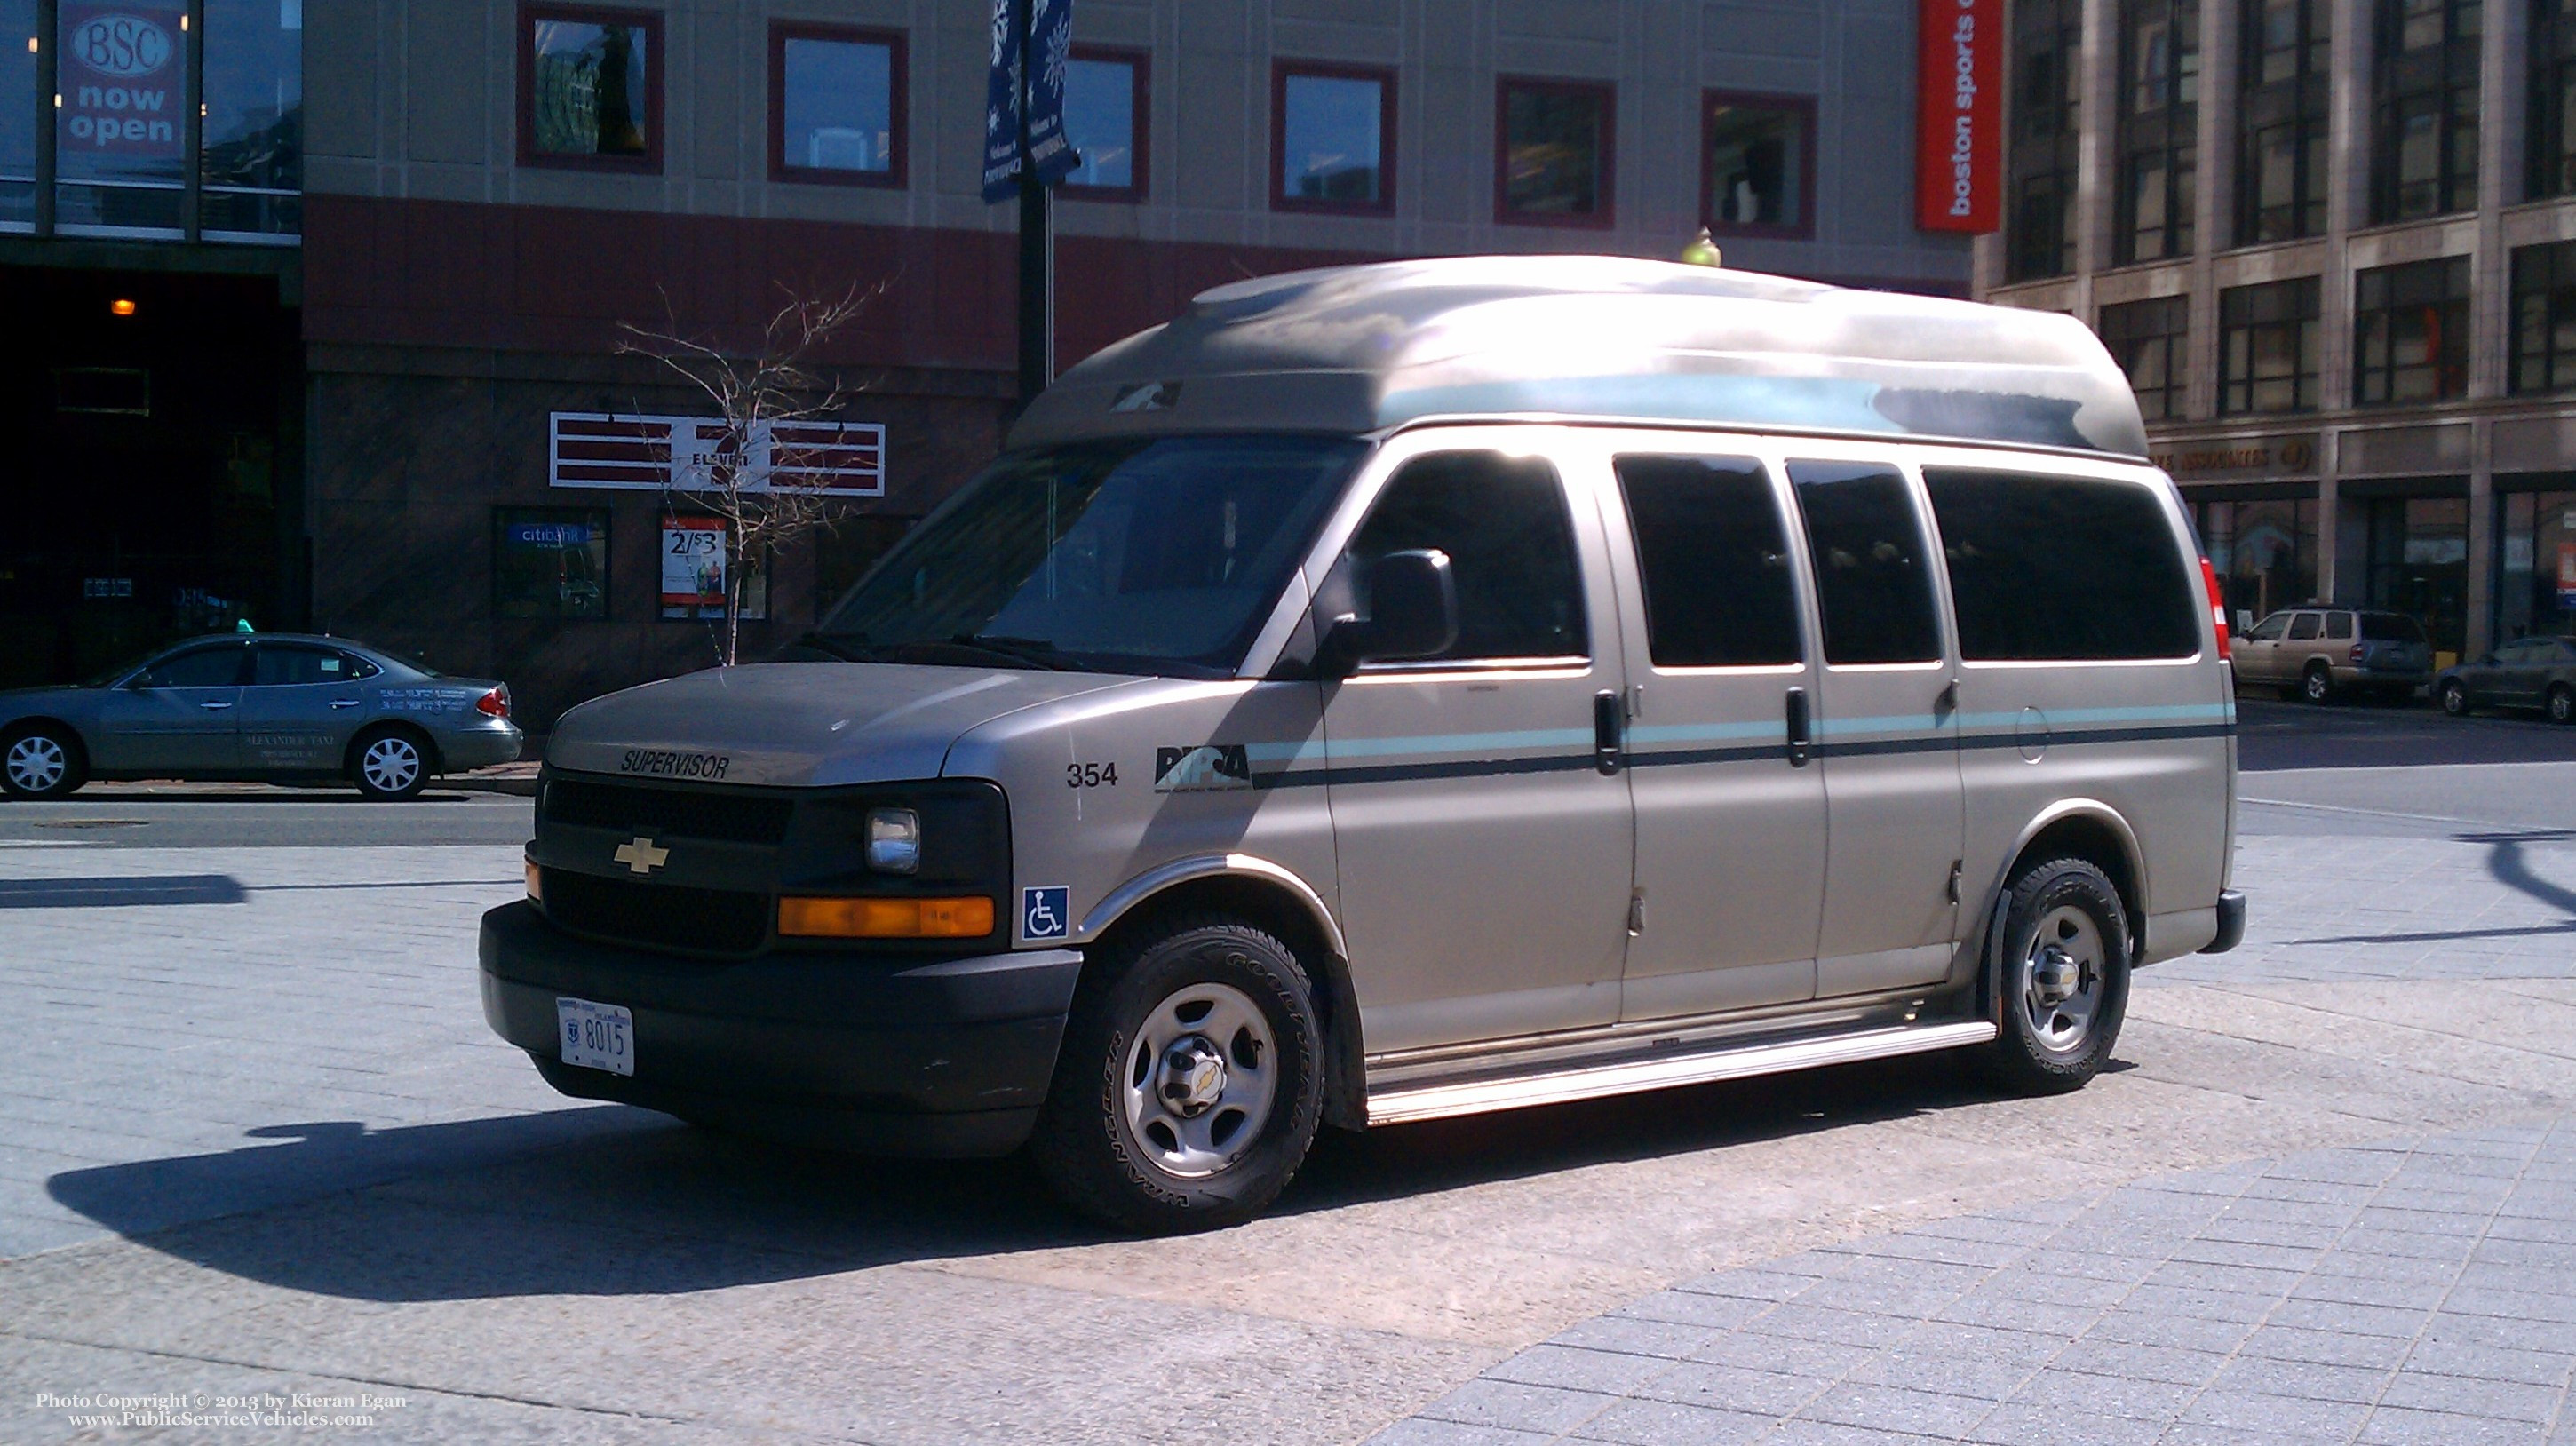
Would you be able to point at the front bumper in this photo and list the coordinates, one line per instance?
(900, 1054)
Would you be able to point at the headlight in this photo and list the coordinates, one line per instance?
(894, 840)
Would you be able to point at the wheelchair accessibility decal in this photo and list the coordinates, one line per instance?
(1046, 913)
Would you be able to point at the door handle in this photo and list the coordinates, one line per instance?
(1606, 711)
(344, 702)
(211, 704)
(1801, 729)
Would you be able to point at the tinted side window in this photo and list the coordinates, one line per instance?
(1872, 583)
(2303, 628)
(1715, 559)
(215, 667)
(2339, 626)
(1503, 522)
(286, 664)
(2061, 568)
(354, 667)
(2270, 629)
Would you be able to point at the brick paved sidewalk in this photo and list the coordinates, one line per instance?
(2417, 1292)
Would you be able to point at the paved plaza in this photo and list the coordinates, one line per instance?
(255, 1141)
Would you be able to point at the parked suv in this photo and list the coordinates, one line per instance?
(2316, 653)
(1403, 691)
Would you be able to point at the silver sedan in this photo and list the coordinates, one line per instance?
(275, 707)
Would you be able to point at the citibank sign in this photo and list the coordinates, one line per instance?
(1958, 130)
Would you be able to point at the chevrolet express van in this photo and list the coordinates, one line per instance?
(1401, 691)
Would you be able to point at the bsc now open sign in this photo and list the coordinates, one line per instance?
(122, 75)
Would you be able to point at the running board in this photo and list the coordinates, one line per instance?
(1439, 1101)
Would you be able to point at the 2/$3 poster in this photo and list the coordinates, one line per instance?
(693, 571)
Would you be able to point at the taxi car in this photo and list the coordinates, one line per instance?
(272, 707)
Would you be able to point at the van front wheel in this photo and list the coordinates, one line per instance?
(2063, 983)
(1190, 1081)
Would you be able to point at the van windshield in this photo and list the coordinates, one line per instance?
(1134, 555)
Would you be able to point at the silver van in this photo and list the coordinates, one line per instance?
(1408, 690)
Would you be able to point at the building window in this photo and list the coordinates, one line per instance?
(2047, 105)
(2536, 572)
(1105, 112)
(2544, 318)
(2264, 552)
(2281, 122)
(2159, 123)
(2411, 332)
(1758, 164)
(2552, 60)
(1333, 127)
(1552, 152)
(2150, 339)
(2419, 563)
(2267, 347)
(590, 87)
(836, 105)
(550, 563)
(2424, 112)
(18, 113)
(120, 143)
(253, 155)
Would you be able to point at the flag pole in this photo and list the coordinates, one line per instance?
(1037, 235)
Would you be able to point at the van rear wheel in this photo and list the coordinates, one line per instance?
(2062, 987)
(1190, 1081)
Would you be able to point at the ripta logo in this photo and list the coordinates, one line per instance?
(1208, 768)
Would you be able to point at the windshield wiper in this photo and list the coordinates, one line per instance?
(1026, 652)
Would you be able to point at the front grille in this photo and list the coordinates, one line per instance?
(729, 817)
(658, 916)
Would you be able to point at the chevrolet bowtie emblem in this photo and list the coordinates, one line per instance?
(639, 854)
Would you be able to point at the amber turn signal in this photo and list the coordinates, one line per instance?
(885, 918)
(536, 882)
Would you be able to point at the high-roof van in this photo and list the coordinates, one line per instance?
(1402, 691)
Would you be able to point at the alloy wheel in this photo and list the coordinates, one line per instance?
(36, 763)
(390, 764)
(1200, 1080)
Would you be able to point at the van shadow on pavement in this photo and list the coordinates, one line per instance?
(613, 1200)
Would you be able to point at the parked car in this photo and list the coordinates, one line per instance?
(277, 707)
(2525, 673)
(1410, 690)
(2316, 653)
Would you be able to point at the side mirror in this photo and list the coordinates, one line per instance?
(1413, 613)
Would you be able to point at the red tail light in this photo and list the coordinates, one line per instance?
(2218, 611)
(495, 704)
(2357, 650)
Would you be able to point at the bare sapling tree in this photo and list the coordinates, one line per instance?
(766, 479)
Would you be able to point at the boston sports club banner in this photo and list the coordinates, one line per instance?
(1959, 110)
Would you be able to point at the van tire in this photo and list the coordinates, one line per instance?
(2065, 942)
(2317, 684)
(1110, 1141)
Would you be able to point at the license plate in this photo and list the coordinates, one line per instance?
(596, 1036)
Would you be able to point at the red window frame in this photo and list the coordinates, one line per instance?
(1804, 106)
(1280, 73)
(898, 95)
(648, 21)
(1140, 63)
(1605, 162)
